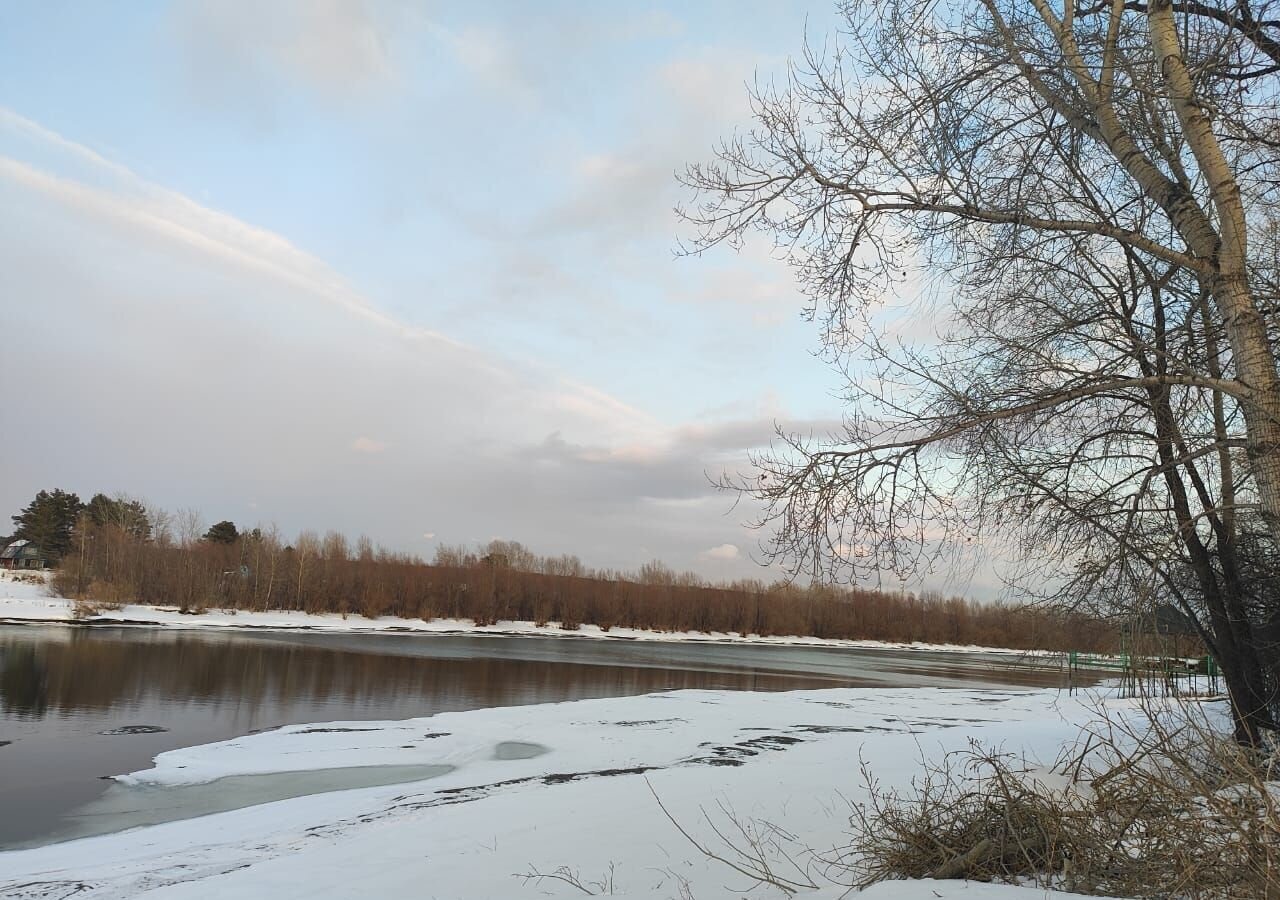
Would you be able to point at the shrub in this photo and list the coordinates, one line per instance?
(1168, 808)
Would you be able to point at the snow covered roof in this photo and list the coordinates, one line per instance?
(19, 548)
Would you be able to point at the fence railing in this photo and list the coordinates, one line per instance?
(1149, 674)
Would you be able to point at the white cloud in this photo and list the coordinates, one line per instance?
(720, 553)
(336, 46)
(175, 218)
(368, 445)
(170, 216)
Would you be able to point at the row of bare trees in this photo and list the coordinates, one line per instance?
(111, 564)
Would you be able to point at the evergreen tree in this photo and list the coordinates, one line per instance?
(48, 520)
(223, 533)
(120, 511)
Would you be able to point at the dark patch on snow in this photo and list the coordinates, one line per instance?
(333, 730)
(566, 777)
(833, 729)
(735, 753)
(5, 743)
(46, 890)
(771, 742)
(450, 796)
(964, 721)
(435, 734)
(634, 723)
(135, 729)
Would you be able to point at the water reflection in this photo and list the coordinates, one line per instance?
(23, 680)
(64, 671)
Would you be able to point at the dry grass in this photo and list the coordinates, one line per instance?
(1164, 807)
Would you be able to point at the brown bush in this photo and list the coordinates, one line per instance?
(1148, 810)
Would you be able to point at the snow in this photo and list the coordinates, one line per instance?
(582, 792)
(469, 804)
(24, 586)
(24, 602)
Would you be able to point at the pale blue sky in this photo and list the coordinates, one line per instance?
(400, 268)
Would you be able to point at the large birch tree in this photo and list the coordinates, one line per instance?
(1086, 192)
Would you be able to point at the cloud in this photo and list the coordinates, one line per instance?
(711, 85)
(681, 109)
(254, 363)
(175, 218)
(491, 57)
(722, 552)
(429, 535)
(333, 46)
(171, 217)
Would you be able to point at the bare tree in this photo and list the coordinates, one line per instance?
(308, 548)
(1084, 198)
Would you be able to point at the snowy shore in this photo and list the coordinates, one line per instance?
(535, 788)
(28, 603)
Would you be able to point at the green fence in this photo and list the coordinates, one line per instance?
(1124, 662)
(1152, 670)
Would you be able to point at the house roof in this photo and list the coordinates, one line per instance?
(19, 549)
(1163, 619)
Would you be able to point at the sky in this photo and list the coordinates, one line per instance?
(403, 269)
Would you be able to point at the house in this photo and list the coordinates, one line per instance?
(1163, 631)
(22, 555)
(1165, 619)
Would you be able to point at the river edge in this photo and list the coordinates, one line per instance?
(26, 603)
(589, 802)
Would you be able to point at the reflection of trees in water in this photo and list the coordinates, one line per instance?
(23, 681)
(96, 670)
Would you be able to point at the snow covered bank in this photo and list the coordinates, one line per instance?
(26, 602)
(537, 788)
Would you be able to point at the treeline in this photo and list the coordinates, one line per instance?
(116, 557)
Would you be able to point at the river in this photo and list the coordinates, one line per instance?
(78, 705)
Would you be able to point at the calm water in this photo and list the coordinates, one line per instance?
(80, 704)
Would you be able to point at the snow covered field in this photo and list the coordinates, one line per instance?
(538, 788)
(27, 602)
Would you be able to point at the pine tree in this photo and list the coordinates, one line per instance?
(120, 511)
(223, 533)
(48, 520)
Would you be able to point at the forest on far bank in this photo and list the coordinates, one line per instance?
(116, 550)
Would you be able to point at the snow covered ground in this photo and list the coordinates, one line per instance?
(532, 789)
(28, 602)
